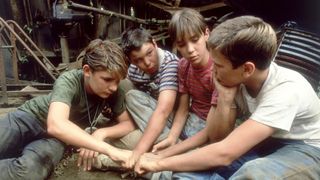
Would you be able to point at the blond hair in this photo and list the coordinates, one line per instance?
(105, 56)
(245, 38)
(186, 22)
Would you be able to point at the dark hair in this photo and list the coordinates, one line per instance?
(105, 56)
(245, 38)
(186, 21)
(134, 38)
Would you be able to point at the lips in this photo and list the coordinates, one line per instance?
(151, 70)
(193, 58)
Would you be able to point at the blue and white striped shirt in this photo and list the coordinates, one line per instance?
(166, 77)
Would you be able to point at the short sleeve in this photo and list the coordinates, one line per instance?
(65, 88)
(182, 75)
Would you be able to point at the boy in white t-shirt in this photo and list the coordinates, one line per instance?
(279, 135)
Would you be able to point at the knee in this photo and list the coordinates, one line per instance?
(255, 169)
(30, 170)
(135, 98)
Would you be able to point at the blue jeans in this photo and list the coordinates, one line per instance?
(274, 159)
(193, 125)
(26, 151)
(141, 107)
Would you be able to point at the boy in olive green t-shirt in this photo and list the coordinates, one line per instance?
(31, 136)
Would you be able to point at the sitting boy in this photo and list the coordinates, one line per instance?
(33, 137)
(279, 137)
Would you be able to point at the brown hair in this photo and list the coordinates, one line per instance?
(186, 21)
(105, 56)
(245, 38)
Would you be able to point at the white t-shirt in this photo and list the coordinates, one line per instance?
(286, 102)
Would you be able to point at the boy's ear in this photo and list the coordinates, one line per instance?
(248, 69)
(154, 42)
(86, 70)
(207, 33)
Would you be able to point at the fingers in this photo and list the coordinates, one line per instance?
(138, 169)
(80, 157)
(132, 160)
(161, 145)
(86, 158)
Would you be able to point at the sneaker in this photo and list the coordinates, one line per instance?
(104, 163)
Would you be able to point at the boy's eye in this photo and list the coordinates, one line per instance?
(180, 44)
(108, 79)
(194, 39)
(149, 53)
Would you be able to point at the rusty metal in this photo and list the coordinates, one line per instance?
(64, 49)
(4, 96)
(173, 9)
(26, 93)
(8, 28)
(14, 57)
(44, 62)
(112, 13)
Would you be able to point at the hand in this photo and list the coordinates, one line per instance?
(169, 141)
(86, 158)
(227, 94)
(148, 162)
(122, 157)
(133, 159)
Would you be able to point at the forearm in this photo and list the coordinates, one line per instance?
(178, 124)
(180, 117)
(199, 159)
(220, 120)
(119, 130)
(70, 133)
(195, 141)
(153, 130)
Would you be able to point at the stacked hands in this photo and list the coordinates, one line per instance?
(147, 162)
(143, 162)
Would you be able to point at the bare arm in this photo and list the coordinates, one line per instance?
(221, 119)
(155, 125)
(124, 126)
(62, 128)
(195, 141)
(222, 153)
(87, 157)
(178, 124)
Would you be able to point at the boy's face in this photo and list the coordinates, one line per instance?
(224, 72)
(146, 58)
(193, 48)
(101, 83)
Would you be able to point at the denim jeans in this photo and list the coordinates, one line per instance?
(141, 106)
(193, 125)
(26, 151)
(280, 159)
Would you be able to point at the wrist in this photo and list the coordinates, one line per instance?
(160, 166)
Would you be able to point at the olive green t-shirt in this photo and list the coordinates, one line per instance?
(69, 89)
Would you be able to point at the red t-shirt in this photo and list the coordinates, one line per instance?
(198, 83)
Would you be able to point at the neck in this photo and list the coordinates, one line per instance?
(86, 86)
(204, 61)
(255, 83)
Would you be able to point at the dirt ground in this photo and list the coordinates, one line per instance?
(67, 168)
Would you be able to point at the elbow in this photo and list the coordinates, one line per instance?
(52, 128)
(131, 127)
(227, 160)
(224, 157)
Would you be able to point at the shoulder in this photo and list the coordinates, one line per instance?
(71, 75)
(169, 56)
